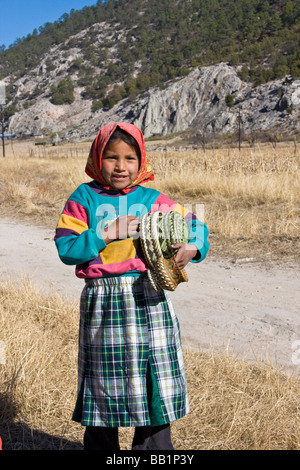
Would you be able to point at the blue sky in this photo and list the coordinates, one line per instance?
(20, 17)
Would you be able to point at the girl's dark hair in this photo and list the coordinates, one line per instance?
(127, 138)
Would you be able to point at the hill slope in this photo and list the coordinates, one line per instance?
(91, 60)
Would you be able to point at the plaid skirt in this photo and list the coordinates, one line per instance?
(130, 362)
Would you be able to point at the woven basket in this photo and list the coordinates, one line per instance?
(158, 232)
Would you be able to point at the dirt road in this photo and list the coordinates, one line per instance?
(251, 310)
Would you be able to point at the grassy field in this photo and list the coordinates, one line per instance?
(234, 405)
(251, 197)
(252, 208)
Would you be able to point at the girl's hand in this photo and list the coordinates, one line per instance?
(123, 227)
(185, 253)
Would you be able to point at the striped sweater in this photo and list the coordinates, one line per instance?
(88, 211)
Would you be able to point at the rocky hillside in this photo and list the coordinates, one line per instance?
(209, 99)
(202, 65)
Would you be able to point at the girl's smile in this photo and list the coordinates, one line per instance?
(120, 164)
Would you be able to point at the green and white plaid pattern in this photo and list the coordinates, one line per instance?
(125, 327)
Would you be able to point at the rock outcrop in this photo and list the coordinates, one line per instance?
(197, 101)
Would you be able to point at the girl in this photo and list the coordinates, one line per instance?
(130, 365)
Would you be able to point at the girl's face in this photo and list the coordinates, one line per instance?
(120, 164)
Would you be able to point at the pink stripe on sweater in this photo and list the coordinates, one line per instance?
(76, 210)
(163, 204)
(98, 270)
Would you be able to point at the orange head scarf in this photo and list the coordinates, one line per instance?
(94, 164)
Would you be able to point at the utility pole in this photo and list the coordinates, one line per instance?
(239, 129)
(2, 103)
(2, 125)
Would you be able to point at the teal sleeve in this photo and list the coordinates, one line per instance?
(198, 235)
(79, 249)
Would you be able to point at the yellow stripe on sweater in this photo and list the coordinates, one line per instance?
(66, 221)
(119, 251)
(182, 210)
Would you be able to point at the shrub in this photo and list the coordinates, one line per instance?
(63, 92)
(97, 104)
(229, 100)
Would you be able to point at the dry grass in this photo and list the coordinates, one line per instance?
(251, 198)
(234, 405)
